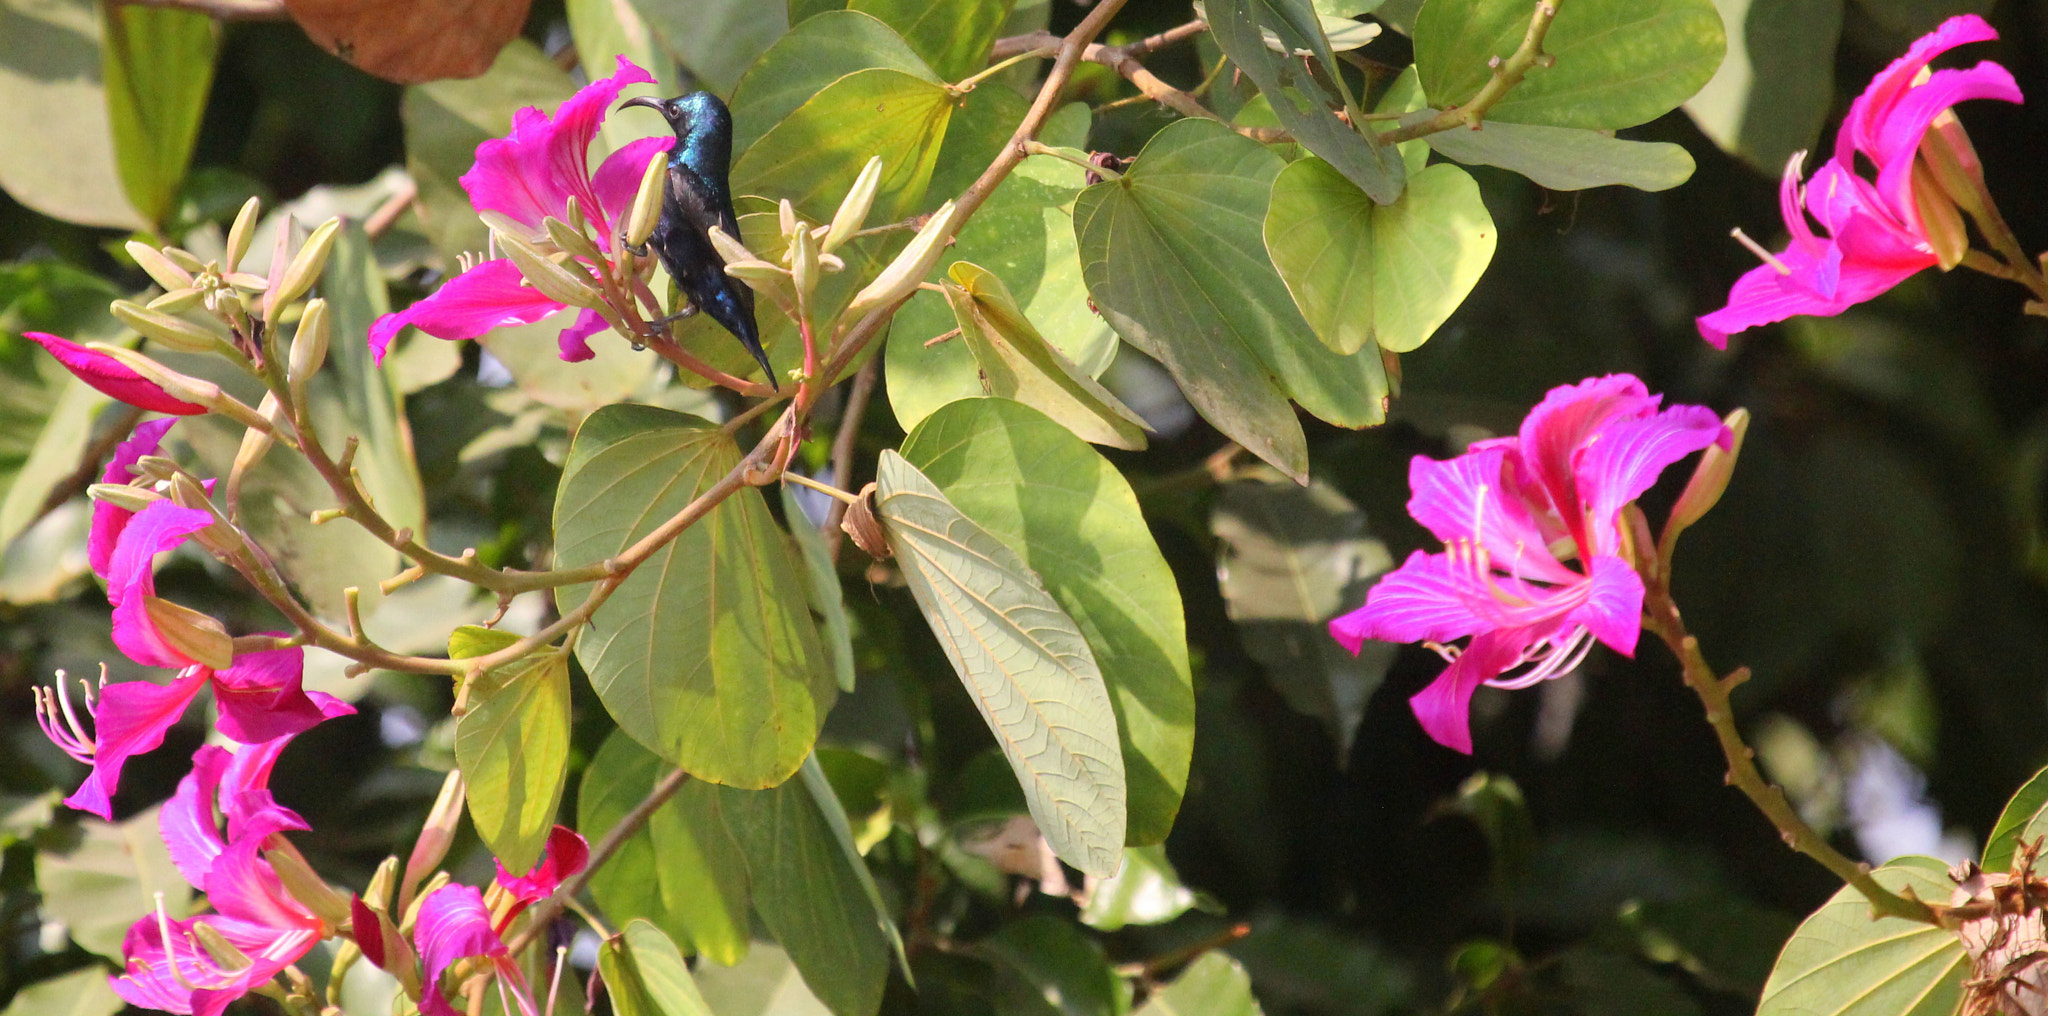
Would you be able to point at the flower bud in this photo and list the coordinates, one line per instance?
(572, 239)
(255, 443)
(435, 836)
(280, 259)
(121, 495)
(246, 282)
(222, 951)
(191, 634)
(159, 267)
(382, 882)
(303, 885)
(573, 208)
(853, 209)
(383, 945)
(558, 282)
(240, 233)
(178, 301)
(1709, 481)
(184, 259)
(803, 263)
(175, 332)
(757, 271)
(786, 214)
(182, 387)
(187, 492)
(915, 262)
(646, 213)
(1940, 219)
(730, 250)
(309, 349)
(305, 268)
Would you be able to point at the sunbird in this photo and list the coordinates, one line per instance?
(699, 196)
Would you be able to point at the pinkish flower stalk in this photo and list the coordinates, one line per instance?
(518, 182)
(111, 376)
(1538, 562)
(260, 698)
(1876, 233)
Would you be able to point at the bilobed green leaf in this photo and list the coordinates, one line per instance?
(1072, 519)
(813, 155)
(1365, 273)
(1842, 963)
(470, 641)
(513, 747)
(1618, 62)
(59, 156)
(1215, 985)
(808, 894)
(1147, 891)
(82, 992)
(814, 54)
(1564, 158)
(833, 812)
(1015, 362)
(1025, 234)
(716, 40)
(706, 654)
(2025, 818)
(1174, 254)
(646, 974)
(1022, 658)
(158, 63)
(100, 883)
(1304, 105)
(649, 869)
(703, 875)
(954, 38)
(1771, 95)
(828, 599)
(1053, 963)
(446, 120)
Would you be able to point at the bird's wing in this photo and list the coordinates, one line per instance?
(701, 204)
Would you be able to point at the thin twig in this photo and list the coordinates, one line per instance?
(393, 207)
(842, 454)
(1507, 73)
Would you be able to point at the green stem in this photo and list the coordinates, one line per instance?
(1507, 73)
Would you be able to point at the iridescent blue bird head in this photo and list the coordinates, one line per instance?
(701, 123)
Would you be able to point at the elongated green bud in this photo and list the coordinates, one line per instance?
(309, 349)
(757, 271)
(915, 262)
(223, 952)
(159, 267)
(191, 634)
(647, 201)
(571, 239)
(121, 495)
(175, 332)
(241, 232)
(1709, 481)
(303, 885)
(305, 268)
(730, 249)
(247, 282)
(178, 301)
(184, 259)
(853, 209)
(786, 214)
(435, 836)
(557, 282)
(803, 262)
(183, 387)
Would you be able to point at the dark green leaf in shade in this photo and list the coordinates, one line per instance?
(158, 63)
(513, 746)
(1215, 985)
(828, 599)
(59, 157)
(1303, 103)
(2025, 818)
(1174, 255)
(446, 120)
(1290, 558)
(646, 975)
(1147, 891)
(101, 877)
(82, 992)
(1073, 520)
(1050, 966)
(1619, 63)
(1364, 273)
(706, 654)
(703, 875)
(1907, 18)
(1564, 158)
(46, 414)
(1494, 803)
(813, 155)
(1728, 942)
(1025, 234)
(833, 812)
(1015, 362)
(1603, 983)
(1772, 93)
(954, 38)
(1023, 660)
(1842, 963)
(812, 55)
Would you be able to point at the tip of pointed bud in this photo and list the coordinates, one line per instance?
(646, 213)
(1709, 480)
(911, 265)
(853, 209)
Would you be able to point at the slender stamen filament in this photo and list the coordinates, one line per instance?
(59, 719)
(1758, 249)
(1550, 659)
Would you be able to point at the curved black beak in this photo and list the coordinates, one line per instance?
(645, 100)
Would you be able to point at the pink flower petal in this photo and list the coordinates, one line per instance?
(1445, 707)
(187, 820)
(131, 579)
(111, 376)
(453, 924)
(1421, 601)
(491, 295)
(1899, 136)
(261, 697)
(1469, 496)
(575, 348)
(201, 986)
(109, 519)
(566, 854)
(1627, 459)
(131, 719)
(617, 180)
(1865, 122)
(530, 174)
(1613, 610)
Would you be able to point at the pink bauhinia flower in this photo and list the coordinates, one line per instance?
(517, 183)
(131, 582)
(1512, 513)
(567, 853)
(109, 519)
(454, 924)
(1876, 234)
(111, 376)
(260, 698)
(256, 928)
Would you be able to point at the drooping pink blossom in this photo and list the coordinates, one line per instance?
(1537, 564)
(168, 965)
(111, 376)
(1873, 235)
(108, 519)
(260, 698)
(518, 182)
(566, 854)
(455, 925)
